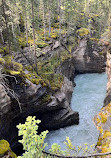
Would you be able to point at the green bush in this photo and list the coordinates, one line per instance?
(83, 32)
(33, 143)
(22, 41)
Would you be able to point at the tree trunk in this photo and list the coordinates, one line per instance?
(2, 37)
(13, 31)
(60, 20)
(49, 11)
(33, 27)
(6, 23)
(26, 27)
(44, 21)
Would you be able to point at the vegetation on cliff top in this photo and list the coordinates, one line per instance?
(37, 24)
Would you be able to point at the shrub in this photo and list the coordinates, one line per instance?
(22, 41)
(33, 144)
(103, 117)
(83, 32)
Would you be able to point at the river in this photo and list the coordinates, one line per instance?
(88, 98)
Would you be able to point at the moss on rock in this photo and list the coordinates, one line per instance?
(46, 99)
(4, 146)
(42, 44)
(4, 50)
(5, 149)
(2, 61)
(11, 66)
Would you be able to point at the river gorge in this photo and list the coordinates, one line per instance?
(88, 98)
(70, 108)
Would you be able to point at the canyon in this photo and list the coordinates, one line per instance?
(56, 112)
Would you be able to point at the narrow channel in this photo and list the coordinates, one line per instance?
(88, 98)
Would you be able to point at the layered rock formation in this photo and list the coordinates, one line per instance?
(87, 58)
(54, 112)
(103, 118)
(108, 71)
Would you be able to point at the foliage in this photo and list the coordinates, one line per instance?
(33, 144)
(46, 99)
(2, 61)
(42, 44)
(4, 50)
(11, 66)
(105, 132)
(83, 32)
(22, 41)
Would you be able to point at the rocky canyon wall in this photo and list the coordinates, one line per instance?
(108, 72)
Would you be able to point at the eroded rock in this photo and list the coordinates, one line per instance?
(87, 58)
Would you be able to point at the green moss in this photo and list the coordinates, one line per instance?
(83, 32)
(55, 25)
(34, 78)
(12, 67)
(4, 50)
(54, 35)
(22, 41)
(46, 99)
(45, 38)
(100, 53)
(94, 39)
(13, 72)
(42, 44)
(36, 81)
(4, 146)
(2, 61)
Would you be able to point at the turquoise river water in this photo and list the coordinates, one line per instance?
(87, 99)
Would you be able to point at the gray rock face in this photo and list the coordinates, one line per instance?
(87, 58)
(54, 114)
(4, 101)
(67, 68)
(108, 71)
